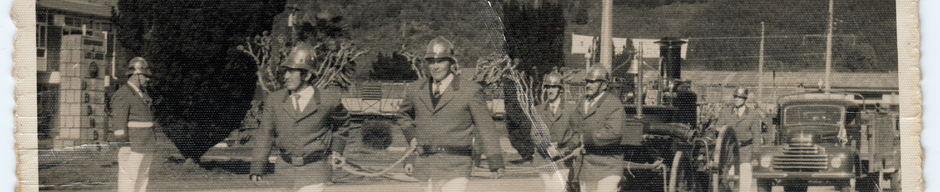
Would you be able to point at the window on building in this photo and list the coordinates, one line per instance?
(74, 22)
(105, 27)
(41, 17)
(872, 96)
(41, 36)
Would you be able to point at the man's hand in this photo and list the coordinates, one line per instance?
(553, 151)
(409, 168)
(254, 178)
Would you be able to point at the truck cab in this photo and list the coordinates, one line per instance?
(813, 144)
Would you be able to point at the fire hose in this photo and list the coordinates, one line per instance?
(338, 161)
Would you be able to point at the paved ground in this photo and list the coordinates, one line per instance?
(95, 169)
(476, 185)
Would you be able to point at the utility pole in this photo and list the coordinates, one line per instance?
(829, 50)
(760, 63)
(606, 36)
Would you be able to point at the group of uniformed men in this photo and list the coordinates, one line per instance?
(447, 114)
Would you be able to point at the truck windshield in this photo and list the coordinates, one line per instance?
(813, 115)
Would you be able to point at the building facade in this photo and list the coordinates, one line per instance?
(75, 70)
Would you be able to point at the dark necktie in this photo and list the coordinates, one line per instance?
(435, 93)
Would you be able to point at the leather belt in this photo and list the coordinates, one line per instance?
(139, 124)
(603, 150)
(452, 150)
(298, 160)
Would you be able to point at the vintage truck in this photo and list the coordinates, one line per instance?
(828, 139)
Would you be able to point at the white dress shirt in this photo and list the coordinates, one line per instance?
(302, 98)
(588, 103)
(554, 105)
(439, 86)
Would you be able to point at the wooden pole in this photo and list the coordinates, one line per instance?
(606, 41)
(639, 92)
(829, 49)
(760, 68)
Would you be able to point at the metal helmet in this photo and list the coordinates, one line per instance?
(300, 57)
(553, 79)
(138, 65)
(596, 74)
(440, 48)
(740, 92)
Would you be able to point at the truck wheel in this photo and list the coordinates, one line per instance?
(795, 186)
(764, 185)
(868, 184)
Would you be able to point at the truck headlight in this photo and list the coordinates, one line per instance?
(836, 162)
(766, 161)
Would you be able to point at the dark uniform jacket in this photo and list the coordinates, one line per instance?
(746, 128)
(558, 129)
(602, 125)
(448, 124)
(297, 134)
(127, 105)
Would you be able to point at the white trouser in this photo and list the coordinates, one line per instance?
(554, 181)
(313, 188)
(608, 184)
(458, 184)
(134, 170)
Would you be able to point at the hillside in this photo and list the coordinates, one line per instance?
(719, 29)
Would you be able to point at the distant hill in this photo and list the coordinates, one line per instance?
(865, 29)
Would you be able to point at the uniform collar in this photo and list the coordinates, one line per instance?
(305, 93)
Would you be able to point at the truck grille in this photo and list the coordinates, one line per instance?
(803, 157)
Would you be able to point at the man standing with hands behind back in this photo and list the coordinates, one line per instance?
(444, 107)
(132, 120)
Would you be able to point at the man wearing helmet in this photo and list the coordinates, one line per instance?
(744, 121)
(444, 107)
(745, 126)
(298, 124)
(132, 120)
(600, 117)
(557, 139)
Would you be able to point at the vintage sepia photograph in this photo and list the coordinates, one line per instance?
(471, 95)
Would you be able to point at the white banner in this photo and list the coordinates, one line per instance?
(580, 44)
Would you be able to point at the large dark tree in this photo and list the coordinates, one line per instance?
(203, 86)
(535, 35)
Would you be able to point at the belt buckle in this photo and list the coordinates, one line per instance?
(296, 161)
